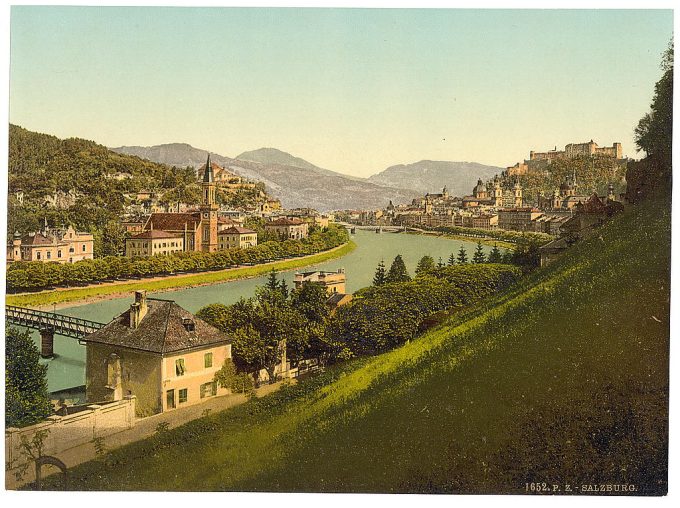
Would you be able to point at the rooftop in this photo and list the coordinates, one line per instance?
(162, 330)
(154, 233)
(236, 229)
(284, 221)
(173, 221)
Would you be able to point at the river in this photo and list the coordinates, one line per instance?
(67, 369)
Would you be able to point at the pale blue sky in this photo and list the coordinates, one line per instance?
(350, 90)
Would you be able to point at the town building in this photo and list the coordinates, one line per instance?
(333, 282)
(236, 237)
(198, 229)
(587, 218)
(518, 219)
(295, 229)
(154, 242)
(158, 352)
(61, 246)
(484, 221)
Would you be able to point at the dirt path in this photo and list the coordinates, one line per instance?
(143, 428)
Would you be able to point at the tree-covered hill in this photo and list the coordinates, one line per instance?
(79, 182)
(94, 179)
(593, 174)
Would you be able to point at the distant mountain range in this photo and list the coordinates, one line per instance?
(299, 183)
(432, 176)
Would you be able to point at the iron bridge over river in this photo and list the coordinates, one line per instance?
(49, 323)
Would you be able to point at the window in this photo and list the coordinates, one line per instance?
(37, 255)
(180, 368)
(182, 395)
(170, 399)
(58, 253)
(71, 249)
(207, 360)
(208, 389)
(49, 255)
(84, 247)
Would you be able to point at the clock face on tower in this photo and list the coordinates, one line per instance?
(205, 215)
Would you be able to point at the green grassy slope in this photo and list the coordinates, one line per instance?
(564, 379)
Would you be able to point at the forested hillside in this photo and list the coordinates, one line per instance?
(83, 176)
(79, 182)
(592, 174)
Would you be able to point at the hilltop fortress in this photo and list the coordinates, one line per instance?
(571, 151)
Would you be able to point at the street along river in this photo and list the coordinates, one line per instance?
(67, 368)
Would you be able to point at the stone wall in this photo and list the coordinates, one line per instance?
(66, 432)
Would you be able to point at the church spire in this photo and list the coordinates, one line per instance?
(208, 173)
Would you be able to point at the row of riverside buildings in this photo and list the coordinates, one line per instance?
(499, 203)
(205, 228)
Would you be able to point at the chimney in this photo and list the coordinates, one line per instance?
(138, 309)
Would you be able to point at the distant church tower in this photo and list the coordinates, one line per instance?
(208, 211)
(498, 194)
(518, 194)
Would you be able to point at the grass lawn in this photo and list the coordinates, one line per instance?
(562, 379)
(70, 295)
(484, 241)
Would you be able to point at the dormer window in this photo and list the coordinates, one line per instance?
(189, 324)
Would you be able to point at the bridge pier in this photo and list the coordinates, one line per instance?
(47, 343)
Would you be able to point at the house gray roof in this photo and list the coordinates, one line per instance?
(162, 330)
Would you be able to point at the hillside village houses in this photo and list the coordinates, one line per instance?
(157, 351)
(294, 229)
(237, 237)
(64, 245)
(199, 230)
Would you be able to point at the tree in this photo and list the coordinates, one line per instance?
(452, 259)
(310, 301)
(479, 256)
(462, 256)
(229, 378)
(380, 276)
(654, 135)
(654, 132)
(112, 239)
(425, 266)
(440, 263)
(26, 398)
(397, 271)
(495, 254)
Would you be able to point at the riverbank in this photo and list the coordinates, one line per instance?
(58, 298)
(484, 241)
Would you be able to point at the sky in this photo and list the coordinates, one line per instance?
(351, 90)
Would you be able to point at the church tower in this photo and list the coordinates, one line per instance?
(518, 194)
(208, 211)
(498, 194)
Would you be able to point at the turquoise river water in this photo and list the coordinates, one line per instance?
(67, 368)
